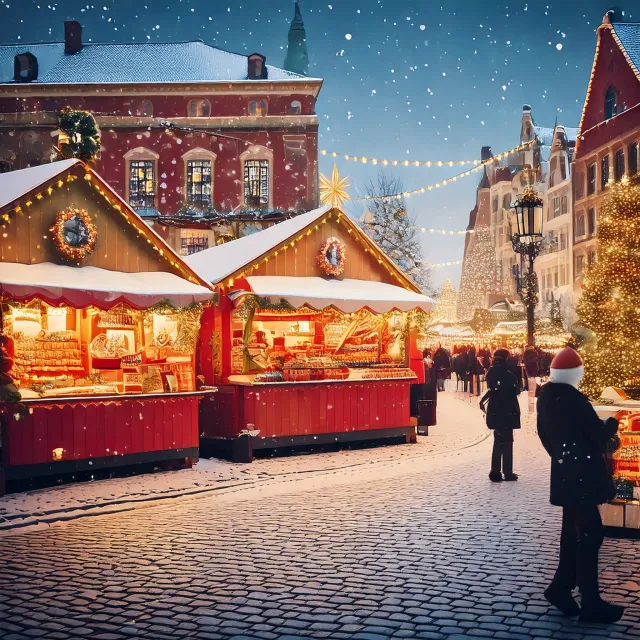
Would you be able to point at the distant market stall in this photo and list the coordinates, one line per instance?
(98, 326)
(313, 340)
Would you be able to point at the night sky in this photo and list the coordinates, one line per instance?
(403, 79)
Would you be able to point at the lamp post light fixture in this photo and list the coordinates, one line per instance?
(528, 241)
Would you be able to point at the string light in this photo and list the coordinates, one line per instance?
(610, 304)
(478, 164)
(446, 181)
(438, 265)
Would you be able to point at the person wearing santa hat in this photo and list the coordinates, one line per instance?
(576, 439)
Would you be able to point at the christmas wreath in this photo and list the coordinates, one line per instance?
(332, 257)
(74, 234)
(79, 134)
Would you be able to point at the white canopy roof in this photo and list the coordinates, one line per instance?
(15, 184)
(82, 286)
(216, 263)
(346, 295)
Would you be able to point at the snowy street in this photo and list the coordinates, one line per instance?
(420, 545)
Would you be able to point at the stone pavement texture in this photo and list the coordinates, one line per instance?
(421, 549)
(67, 502)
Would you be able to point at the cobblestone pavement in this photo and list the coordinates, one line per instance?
(429, 550)
(67, 502)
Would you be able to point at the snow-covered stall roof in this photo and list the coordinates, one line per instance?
(136, 62)
(15, 184)
(217, 263)
(82, 286)
(347, 295)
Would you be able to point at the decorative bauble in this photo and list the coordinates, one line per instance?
(74, 234)
(332, 257)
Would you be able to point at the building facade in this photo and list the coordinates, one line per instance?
(609, 137)
(186, 128)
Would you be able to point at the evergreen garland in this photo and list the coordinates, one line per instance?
(81, 137)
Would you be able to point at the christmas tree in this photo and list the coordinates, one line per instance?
(447, 306)
(79, 135)
(389, 225)
(480, 273)
(610, 304)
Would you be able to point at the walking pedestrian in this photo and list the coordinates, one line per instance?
(500, 403)
(576, 439)
(442, 366)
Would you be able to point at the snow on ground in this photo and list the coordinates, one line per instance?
(458, 427)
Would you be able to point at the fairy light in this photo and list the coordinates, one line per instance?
(610, 303)
(423, 163)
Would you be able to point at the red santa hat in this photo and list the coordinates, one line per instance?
(566, 367)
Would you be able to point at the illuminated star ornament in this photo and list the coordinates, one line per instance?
(333, 191)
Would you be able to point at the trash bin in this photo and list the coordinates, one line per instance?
(426, 416)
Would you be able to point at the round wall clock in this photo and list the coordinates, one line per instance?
(74, 234)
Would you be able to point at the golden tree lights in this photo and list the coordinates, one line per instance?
(610, 304)
(480, 274)
(447, 306)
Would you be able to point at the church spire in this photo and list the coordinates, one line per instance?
(297, 59)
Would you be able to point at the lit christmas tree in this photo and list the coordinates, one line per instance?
(610, 304)
(447, 306)
(480, 274)
(389, 225)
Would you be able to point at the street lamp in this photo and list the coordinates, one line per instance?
(527, 240)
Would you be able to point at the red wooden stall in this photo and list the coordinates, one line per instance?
(311, 340)
(99, 322)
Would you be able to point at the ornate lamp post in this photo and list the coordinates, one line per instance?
(527, 240)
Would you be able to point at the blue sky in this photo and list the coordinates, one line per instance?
(402, 79)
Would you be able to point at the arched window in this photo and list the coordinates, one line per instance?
(145, 108)
(141, 167)
(295, 107)
(257, 173)
(258, 108)
(199, 168)
(610, 103)
(199, 108)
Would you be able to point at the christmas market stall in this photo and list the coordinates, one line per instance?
(313, 337)
(99, 324)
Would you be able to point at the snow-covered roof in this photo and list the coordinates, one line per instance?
(544, 135)
(81, 286)
(15, 184)
(135, 62)
(629, 35)
(348, 295)
(217, 263)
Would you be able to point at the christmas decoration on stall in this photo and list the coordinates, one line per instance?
(447, 306)
(389, 225)
(480, 274)
(223, 238)
(79, 135)
(333, 191)
(610, 304)
(332, 257)
(74, 234)
(10, 397)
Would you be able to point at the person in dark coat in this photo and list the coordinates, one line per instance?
(442, 366)
(462, 365)
(500, 403)
(576, 439)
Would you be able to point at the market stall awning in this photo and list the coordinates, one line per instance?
(84, 286)
(346, 295)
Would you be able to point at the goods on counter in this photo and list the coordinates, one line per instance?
(40, 354)
(271, 376)
(386, 373)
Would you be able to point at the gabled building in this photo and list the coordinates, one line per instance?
(607, 143)
(186, 127)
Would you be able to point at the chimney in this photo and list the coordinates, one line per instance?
(256, 67)
(25, 67)
(485, 154)
(72, 37)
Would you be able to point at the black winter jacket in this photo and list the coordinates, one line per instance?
(576, 440)
(503, 409)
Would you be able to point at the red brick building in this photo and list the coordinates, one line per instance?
(252, 145)
(609, 137)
